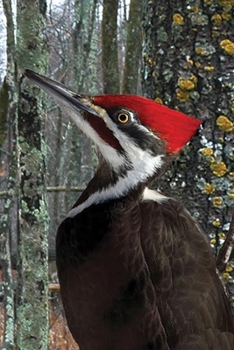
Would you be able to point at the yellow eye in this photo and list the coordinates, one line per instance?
(123, 117)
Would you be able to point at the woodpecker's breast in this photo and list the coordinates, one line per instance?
(80, 236)
(106, 289)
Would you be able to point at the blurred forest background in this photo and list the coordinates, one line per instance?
(178, 53)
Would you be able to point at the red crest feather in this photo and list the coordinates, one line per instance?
(173, 126)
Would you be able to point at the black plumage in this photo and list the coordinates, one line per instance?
(138, 291)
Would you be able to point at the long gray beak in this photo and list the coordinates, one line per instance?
(61, 93)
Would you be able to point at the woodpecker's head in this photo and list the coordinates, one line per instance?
(134, 135)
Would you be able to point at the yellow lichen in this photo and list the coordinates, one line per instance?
(159, 100)
(228, 46)
(207, 152)
(212, 159)
(224, 123)
(186, 84)
(228, 3)
(216, 223)
(190, 62)
(208, 2)
(198, 64)
(213, 241)
(199, 50)
(217, 201)
(178, 19)
(195, 9)
(183, 96)
(229, 268)
(222, 235)
(209, 188)
(231, 195)
(231, 173)
(217, 19)
(226, 275)
(226, 16)
(209, 68)
(193, 78)
(219, 169)
(151, 61)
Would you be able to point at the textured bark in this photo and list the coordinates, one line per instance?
(32, 308)
(82, 43)
(8, 113)
(133, 49)
(188, 65)
(110, 66)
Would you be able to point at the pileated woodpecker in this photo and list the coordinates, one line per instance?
(135, 270)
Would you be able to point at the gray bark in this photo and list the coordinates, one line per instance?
(8, 114)
(110, 65)
(188, 65)
(32, 308)
(133, 49)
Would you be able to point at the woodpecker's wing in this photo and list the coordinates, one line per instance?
(192, 302)
(141, 276)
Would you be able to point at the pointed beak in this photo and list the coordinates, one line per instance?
(61, 93)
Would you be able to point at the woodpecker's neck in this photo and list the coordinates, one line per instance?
(108, 184)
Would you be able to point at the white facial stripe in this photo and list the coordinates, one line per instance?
(109, 153)
(143, 164)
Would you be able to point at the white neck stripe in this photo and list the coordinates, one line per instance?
(100, 197)
(132, 178)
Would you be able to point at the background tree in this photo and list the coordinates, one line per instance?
(110, 64)
(32, 308)
(9, 178)
(131, 82)
(188, 65)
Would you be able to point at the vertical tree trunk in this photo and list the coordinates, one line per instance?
(8, 113)
(133, 49)
(82, 43)
(84, 80)
(32, 309)
(110, 66)
(188, 65)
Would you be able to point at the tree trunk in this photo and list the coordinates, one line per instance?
(8, 113)
(188, 65)
(32, 309)
(110, 65)
(133, 49)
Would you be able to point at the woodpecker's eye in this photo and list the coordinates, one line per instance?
(123, 117)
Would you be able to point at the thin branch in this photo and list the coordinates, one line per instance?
(226, 249)
(50, 189)
(54, 287)
(64, 188)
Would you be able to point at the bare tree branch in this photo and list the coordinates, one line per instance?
(226, 249)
